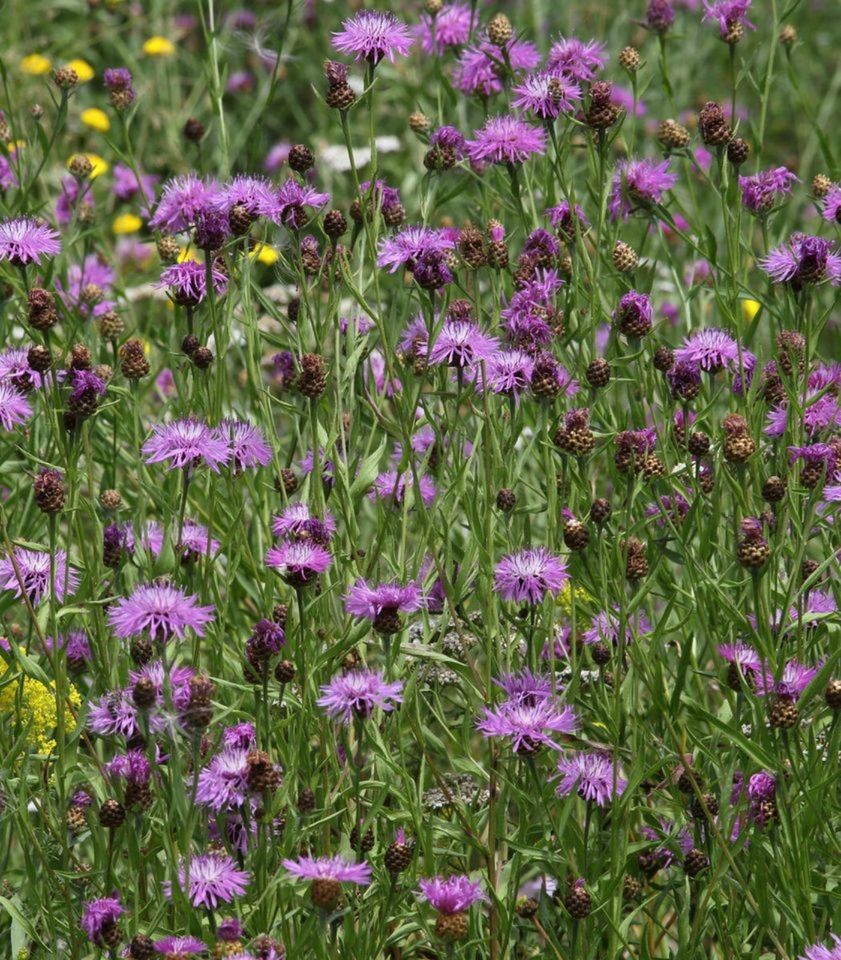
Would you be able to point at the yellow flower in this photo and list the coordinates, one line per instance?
(750, 308)
(35, 64)
(98, 165)
(126, 223)
(186, 253)
(14, 145)
(565, 597)
(84, 71)
(33, 705)
(264, 254)
(158, 47)
(96, 119)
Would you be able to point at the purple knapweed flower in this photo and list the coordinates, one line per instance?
(451, 894)
(297, 522)
(604, 628)
(186, 444)
(564, 222)
(831, 206)
(299, 562)
(223, 783)
(579, 59)
(132, 766)
(461, 344)
(794, 679)
(24, 241)
(638, 183)
(99, 917)
(450, 27)
(528, 575)
(179, 948)
(14, 407)
(659, 16)
(803, 260)
(818, 951)
(546, 95)
(182, 199)
(292, 200)
(730, 14)
(391, 486)
(478, 72)
(710, 349)
(508, 372)
(248, 447)
(743, 658)
(32, 576)
(128, 184)
(405, 248)
(762, 190)
(117, 78)
(161, 610)
(372, 35)
(633, 314)
(529, 722)
(214, 879)
(506, 139)
(356, 693)
(329, 868)
(593, 776)
(186, 282)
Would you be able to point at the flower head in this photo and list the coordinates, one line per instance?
(709, 349)
(214, 879)
(477, 72)
(161, 610)
(506, 139)
(638, 183)
(605, 628)
(461, 344)
(179, 948)
(223, 783)
(292, 199)
(297, 522)
(528, 721)
(329, 868)
(185, 444)
(818, 951)
(247, 444)
(450, 27)
(24, 240)
(593, 776)
(186, 282)
(357, 692)
(182, 199)
(451, 894)
(546, 95)
(729, 14)
(392, 486)
(527, 576)
(803, 260)
(299, 562)
(364, 600)
(508, 372)
(14, 407)
(372, 35)
(578, 59)
(405, 248)
(831, 207)
(29, 572)
(100, 916)
(762, 190)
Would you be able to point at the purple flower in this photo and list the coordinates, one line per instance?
(179, 948)
(405, 248)
(214, 879)
(24, 240)
(187, 282)
(576, 58)
(794, 679)
(604, 628)
(357, 692)
(507, 372)
(506, 139)
(529, 721)
(831, 208)
(803, 260)
(223, 783)
(633, 315)
(195, 539)
(659, 16)
(729, 14)
(363, 600)
(14, 407)
(132, 766)
(329, 868)
(528, 575)
(710, 349)
(478, 72)
(182, 199)
(8, 178)
(461, 344)
(161, 610)
(117, 78)
(372, 35)
(450, 27)
(392, 486)
(299, 562)
(822, 456)
(292, 198)
(431, 271)
(127, 185)
(93, 273)
(297, 522)
(255, 196)
(100, 917)
(762, 786)
(527, 315)
(638, 183)
(818, 951)
(72, 195)
(247, 444)
(761, 191)
(33, 566)
(546, 95)
(593, 776)
(76, 647)
(186, 444)
(451, 894)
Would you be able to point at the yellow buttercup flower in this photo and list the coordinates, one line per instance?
(14, 145)
(750, 308)
(158, 47)
(84, 71)
(34, 707)
(35, 64)
(265, 254)
(126, 223)
(186, 253)
(96, 119)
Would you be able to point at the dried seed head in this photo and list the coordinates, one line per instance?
(624, 257)
(500, 31)
(629, 59)
(193, 130)
(300, 158)
(65, 78)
